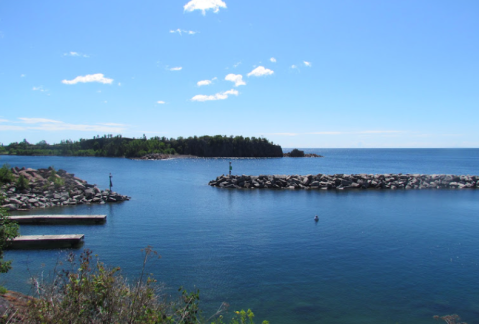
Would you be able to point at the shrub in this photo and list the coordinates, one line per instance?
(8, 231)
(22, 182)
(93, 293)
(6, 175)
(57, 181)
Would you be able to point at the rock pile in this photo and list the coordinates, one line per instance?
(299, 153)
(45, 190)
(154, 156)
(348, 181)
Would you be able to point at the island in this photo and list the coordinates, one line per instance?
(152, 148)
(299, 153)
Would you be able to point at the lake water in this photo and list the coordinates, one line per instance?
(374, 256)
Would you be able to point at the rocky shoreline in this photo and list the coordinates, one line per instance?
(46, 190)
(160, 156)
(347, 181)
(305, 155)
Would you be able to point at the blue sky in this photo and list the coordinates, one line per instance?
(355, 73)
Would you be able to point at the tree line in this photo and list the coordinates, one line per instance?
(119, 146)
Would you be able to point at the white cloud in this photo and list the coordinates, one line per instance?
(236, 78)
(40, 88)
(12, 128)
(111, 124)
(308, 64)
(204, 5)
(160, 102)
(99, 77)
(236, 65)
(327, 133)
(38, 120)
(44, 124)
(178, 68)
(294, 66)
(203, 83)
(75, 54)
(273, 60)
(119, 84)
(218, 96)
(284, 134)
(22, 76)
(260, 71)
(182, 31)
(357, 133)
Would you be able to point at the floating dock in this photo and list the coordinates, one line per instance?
(47, 241)
(59, 219)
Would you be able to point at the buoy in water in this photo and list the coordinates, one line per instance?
(316, 218)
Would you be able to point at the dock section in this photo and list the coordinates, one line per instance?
(47, 241)
(59, 219)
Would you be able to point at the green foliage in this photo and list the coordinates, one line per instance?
(8, 231)
(241, 317)
(22, 182)
(57, 181)
(3, 290)
(118, 146)
(92, 293)
(6, 175)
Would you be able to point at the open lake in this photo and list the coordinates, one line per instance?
(386, 256)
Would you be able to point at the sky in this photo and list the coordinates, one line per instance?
(308, 74)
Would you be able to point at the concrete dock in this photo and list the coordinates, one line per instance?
(47, 241)
(59, 219)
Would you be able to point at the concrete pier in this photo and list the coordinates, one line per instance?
(59, 219)
(47, 241)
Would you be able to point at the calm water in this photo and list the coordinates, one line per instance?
(374, 256)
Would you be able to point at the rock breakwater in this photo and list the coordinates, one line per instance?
(50, 188)
(347, 181)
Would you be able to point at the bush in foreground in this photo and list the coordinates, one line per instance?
(93, 293)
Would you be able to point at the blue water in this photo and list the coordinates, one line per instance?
(374, 256)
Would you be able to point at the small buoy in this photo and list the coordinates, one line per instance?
(316, 218)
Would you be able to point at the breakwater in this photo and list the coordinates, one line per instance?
(49, 188)
(347, 181)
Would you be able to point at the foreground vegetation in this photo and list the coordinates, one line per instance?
(8, 231)
(118, 146)
(90, 292)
